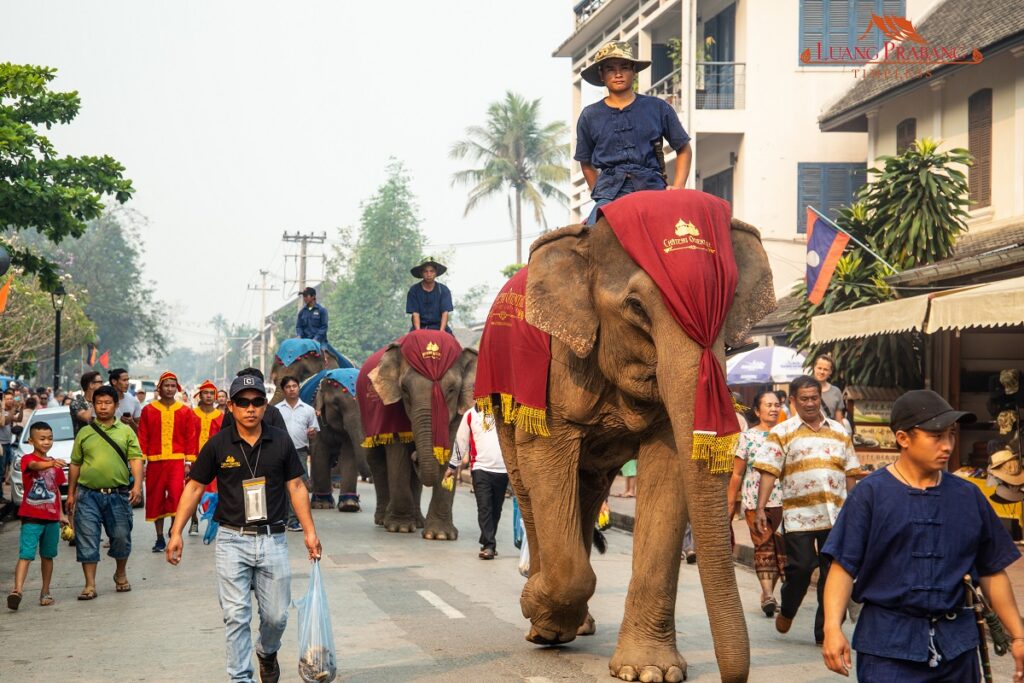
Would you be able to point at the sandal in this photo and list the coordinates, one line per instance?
(45, 599)
(122, 586)
(88, 593)
(14, 600)
(768, 606)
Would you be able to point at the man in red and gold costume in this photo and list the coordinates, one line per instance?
(210, 419)
(168, 433)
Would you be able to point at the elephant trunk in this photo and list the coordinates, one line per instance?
(424, 438)
(706, 506)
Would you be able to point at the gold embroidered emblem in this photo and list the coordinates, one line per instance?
(684, 228)
(687, 237)
(433, 351)
(230, 462)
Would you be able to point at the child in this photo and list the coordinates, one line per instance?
(41, 513)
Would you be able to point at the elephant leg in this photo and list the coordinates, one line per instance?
(416, 488)
(646, 648)
(555, 599)
(363, 464)
(320, 472)
(377, 461)
(348, 496)
(400, 514)
(439, 525)
(507, 440)
(594, 487)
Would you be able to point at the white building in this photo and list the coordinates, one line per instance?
(749, 102)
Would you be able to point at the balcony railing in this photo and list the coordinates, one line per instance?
(720, 85)
(586, 9)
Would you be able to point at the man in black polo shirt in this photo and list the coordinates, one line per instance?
(256, 468)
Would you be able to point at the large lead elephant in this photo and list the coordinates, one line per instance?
(621, 384)
(396, 380)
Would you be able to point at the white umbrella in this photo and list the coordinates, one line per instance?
(766, 365)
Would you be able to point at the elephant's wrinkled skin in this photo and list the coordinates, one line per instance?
(395, 380)
(621, 385)
(302, 369)
(339, 441)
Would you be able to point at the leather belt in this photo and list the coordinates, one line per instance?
(108, 491)
(254, 530)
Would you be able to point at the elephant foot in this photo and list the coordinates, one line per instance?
(378, 517)
(588, 627)
(420, 521)
(648, 663)
(322, 502)
(401, 525)
(551, 622)
(348, 502)
(435, 531)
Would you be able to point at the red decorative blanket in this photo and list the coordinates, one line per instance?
(514, 361)
(681, 240)
(431, 353)
(382, 424)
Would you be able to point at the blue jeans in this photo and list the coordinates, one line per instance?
(113, 513)
(243, 562)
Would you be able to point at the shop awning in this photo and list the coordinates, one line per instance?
(901, 315)
(990, 305)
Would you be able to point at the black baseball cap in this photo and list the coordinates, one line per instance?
(240, 384)
(308, 291)
(924, 409)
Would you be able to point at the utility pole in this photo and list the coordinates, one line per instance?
(263, 289)
(303, 240)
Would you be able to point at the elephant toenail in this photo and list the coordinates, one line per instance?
(627, 673)
(651, 674)
(675, 675)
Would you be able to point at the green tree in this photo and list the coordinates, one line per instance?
(56, 195)
(511, 269)
(516, 153)
(106, 261)
(367, 306)
(468, 305)
(911, 214)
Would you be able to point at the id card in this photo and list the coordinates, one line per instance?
(254, 492)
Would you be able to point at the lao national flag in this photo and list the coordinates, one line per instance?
(825, 245)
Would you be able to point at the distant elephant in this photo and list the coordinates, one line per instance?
(621, 385)
(301, 358)
(340, 439)
(394, 379)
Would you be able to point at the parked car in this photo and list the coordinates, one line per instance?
(59, 420)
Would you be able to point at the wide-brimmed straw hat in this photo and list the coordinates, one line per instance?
(612, 50)
(1005, 466)
(417, 271)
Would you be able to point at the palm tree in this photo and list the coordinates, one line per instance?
(517, 153)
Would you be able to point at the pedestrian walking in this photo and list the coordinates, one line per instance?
(744, 486)
(619, 138)
(271, 417)
(129, 409)
(168, 433)
(831, 395)
(904, 541)
(41, 514)
(256, 468)
(300, 418)
(813, 457)
(81, 405)
(628, 473)
(429, 302)
(222, 401)
(105, 481)
(478, 439)
(210, 420)
(10, 414)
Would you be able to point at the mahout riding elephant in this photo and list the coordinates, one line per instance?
(431, 416)
(301, 359)
(339, 445)
(621, 383)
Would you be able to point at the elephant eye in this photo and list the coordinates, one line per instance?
(637, 309)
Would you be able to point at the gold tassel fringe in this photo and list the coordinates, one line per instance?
(405, 437)
(716, 451)
(530, 420)
(442, 454)
(386, 439)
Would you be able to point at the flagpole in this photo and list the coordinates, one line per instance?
(856, 241)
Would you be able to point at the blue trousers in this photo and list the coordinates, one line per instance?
(963, 669)
(113, 513)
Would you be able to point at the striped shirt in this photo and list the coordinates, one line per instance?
(812, 466)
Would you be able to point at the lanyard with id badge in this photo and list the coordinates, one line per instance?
(254, 490)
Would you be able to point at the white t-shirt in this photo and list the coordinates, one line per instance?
(128, 403)
(485, 438)
(299, 418)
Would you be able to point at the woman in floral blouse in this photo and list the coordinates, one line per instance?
(769, 551)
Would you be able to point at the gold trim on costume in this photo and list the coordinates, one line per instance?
(812, 499)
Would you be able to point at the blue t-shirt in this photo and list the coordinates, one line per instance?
(312, 323)
(429, 305)
(908, 551)
(621, 143)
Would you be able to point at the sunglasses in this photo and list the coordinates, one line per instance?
(257, 402)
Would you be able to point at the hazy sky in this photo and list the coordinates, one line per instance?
(240, 120)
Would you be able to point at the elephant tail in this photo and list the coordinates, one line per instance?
(600, 542)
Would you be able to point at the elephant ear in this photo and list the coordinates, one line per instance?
(386, 377)
(558, 299)
(755, 290)
(466, 364)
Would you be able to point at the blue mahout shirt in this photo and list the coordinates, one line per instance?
(621, 143)
(429, 305)
(312, 323)
(908, 551)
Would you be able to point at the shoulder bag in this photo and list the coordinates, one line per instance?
(117, 449)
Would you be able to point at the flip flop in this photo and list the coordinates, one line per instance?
(87, 594)
(14, 600)
(122, 586)
(45, 600)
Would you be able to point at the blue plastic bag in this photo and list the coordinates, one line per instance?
(208, 503)
(317, 659)
(517, 524)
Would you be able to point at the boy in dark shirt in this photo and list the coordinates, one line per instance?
(908, 534)
(41, 513)
(619, 139)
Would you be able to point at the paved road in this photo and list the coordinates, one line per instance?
(403, 609)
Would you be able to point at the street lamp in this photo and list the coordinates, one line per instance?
(57, 297)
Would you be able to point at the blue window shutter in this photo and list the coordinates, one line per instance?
(838, 25)
(809, 192)
(812, 26)
(826, 187)
(838, 181)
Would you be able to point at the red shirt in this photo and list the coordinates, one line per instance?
(41, 496)
(168, 433)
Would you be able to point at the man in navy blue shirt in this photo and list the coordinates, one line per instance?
(429, 302)
(619, 139)
(903, 542)
(312, 320)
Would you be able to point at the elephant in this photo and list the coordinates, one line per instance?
(395, 380)
(621, 384)
(301, 358)
(340, 441)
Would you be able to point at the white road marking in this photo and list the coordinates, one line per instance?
(440, 604)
